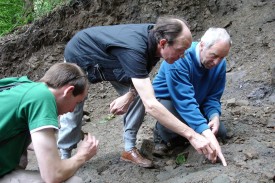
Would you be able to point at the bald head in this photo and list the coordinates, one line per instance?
(173, 37)
(171, 28)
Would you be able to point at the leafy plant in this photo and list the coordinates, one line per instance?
(10, 15)
(42, 7)
(181, 158)
(107, 118)
(15, 13)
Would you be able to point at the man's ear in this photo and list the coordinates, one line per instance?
(68, 90)
(201, 45)
(162, 43)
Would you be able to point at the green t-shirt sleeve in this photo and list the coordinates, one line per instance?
(39, 107)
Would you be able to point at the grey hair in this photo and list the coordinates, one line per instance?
(212, 35)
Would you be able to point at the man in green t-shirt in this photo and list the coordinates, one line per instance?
(29, 113)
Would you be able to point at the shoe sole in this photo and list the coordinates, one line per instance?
(160, 154)
(142, 165)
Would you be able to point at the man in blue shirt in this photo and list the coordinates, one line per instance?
(192, 87)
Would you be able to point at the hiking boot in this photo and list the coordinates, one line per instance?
(135, 157)
(166, 148)
(160, 149)
(160, 146)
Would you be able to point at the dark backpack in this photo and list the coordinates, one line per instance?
(9, 86)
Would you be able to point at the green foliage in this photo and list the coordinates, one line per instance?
(181, 158)
(42, 7)
(107, 118)
(14, 13)
(11, 12)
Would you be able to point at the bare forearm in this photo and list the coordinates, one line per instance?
(86, 150)
(62, 170)
(158, 111)
(52, 168)
(70, 166)
(167, 119)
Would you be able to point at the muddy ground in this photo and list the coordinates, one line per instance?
(248, 101)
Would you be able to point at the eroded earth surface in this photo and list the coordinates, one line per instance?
(248, 101)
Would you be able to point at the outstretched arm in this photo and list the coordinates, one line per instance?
(209, 135)
(159, 112)
(52, 168)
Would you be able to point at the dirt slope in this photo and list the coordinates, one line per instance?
(248, 102)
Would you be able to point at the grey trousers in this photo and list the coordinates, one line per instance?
(70, 124)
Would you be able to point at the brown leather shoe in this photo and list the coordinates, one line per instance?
(135, 157)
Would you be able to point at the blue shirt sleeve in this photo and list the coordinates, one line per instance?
(183, 96)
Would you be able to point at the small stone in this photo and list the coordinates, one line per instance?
(271, 99)
(231, 102)
(86, 118)
(271, 123)
(169, 167)
(240, 163)
(221, 178)
(271, 145)
(242, 103)
(169, 163)
(268, 175)
(251, 155)
(236, 111)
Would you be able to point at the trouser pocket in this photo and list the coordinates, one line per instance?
(95, 74)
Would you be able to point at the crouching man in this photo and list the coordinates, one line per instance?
(29, 113)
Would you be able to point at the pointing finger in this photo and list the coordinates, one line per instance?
(222, 159)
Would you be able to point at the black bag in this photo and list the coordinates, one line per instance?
(9, 86)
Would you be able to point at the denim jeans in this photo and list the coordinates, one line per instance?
(70, 132)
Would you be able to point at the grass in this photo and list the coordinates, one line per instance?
(16, 13)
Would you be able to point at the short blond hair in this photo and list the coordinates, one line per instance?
(61, 74)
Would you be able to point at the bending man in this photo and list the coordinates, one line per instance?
(125, 55)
